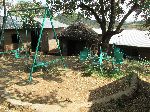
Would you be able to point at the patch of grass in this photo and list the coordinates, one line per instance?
(127, 68)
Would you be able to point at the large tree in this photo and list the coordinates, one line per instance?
(106, 12)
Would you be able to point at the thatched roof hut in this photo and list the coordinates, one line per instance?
(77, 36)
(79, 31)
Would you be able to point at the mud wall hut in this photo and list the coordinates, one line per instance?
(29, 36)
(77, 36)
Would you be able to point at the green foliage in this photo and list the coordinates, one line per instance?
(68, 19)
(28, 16)
(129, 67)
(106, 12)
(140, 25)
(88, 71)
(76, 17)
(144, 8)
(72, 5)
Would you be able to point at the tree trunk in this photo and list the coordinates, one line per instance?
(3, 28)
(105, 41)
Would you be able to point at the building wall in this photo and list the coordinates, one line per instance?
(8, 45)
(144, 53)
(49, 43)
(136, 52)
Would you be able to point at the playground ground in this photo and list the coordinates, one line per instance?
(66, 89)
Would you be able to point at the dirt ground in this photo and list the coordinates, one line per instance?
(66, 87)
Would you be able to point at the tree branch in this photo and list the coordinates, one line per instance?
(126, 16)
(86, 7)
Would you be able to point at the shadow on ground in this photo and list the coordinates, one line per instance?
(138, 102)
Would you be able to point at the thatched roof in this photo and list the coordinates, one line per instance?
(79, 31)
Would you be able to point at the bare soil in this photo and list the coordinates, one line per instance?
(61, 86)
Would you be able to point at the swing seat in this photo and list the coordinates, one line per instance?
(16, 53)
(118, 56)
(41, 64)
(117, 60)
(84, 54)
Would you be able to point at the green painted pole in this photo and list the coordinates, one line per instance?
(55, 35)
(37, 48)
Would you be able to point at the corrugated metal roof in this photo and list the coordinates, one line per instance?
(97, 30)
(56, 24)
(131, 38)
(10, 24)
(17, 21)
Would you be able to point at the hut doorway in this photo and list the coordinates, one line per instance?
(74, 47)
(34, 40)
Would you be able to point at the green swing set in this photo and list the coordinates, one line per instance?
(36, 63)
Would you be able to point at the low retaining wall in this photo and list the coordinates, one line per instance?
(127, 92)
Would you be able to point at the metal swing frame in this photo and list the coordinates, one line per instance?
(36, 63)
(45, 64)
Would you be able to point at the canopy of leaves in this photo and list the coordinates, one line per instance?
(144, 11)
(106, 12)
(27, 15)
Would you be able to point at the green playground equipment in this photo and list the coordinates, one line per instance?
(98, 60)
(37, 63)
(117, 59)
(101, 57)
(84, 54)
(118, 56)
(14, 52)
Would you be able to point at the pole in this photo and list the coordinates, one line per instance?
(37, 47)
